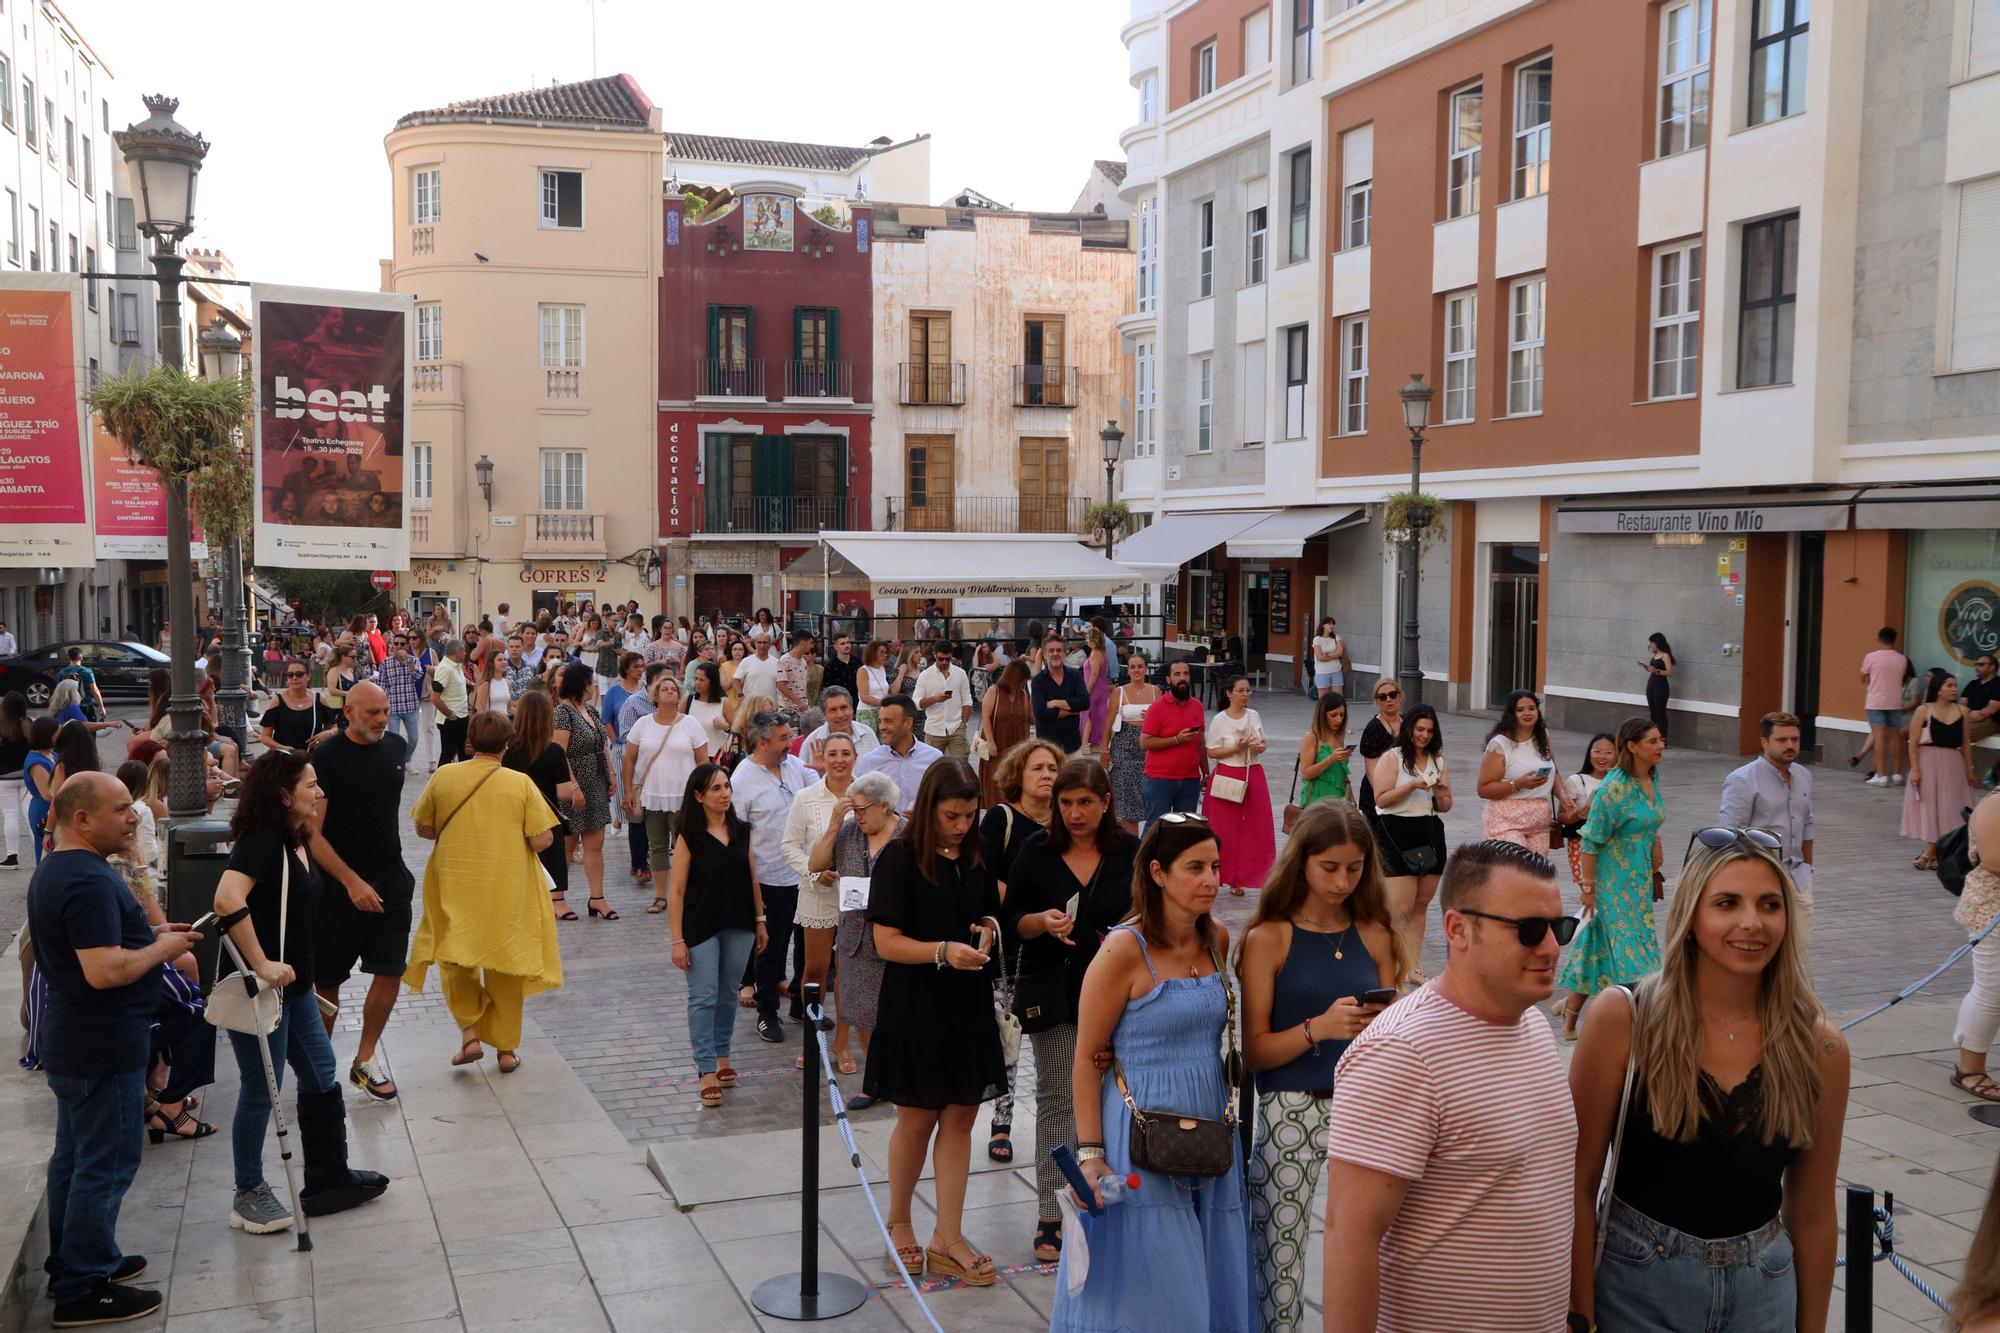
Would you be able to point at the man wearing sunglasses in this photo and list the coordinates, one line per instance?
(1453, 1138)
(1773, 794)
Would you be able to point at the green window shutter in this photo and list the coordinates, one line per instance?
(714, 334)
(773, 489)
(833, 334)
(798, 333)
(715, 488)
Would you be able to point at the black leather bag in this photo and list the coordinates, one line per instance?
(1183, 1145)
(1954, 856)
(1041, 1001)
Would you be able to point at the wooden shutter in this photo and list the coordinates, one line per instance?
(929, 495)
(1044, 483)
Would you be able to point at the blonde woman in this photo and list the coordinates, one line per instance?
(1097, 685)
(66, 706)
(493, 694)
(1723, 1196)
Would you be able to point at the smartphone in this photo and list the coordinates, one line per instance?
(1380, 995)
(1544, 770)
(203, 922)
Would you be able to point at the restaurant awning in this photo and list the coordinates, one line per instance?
(1172, 540)
(1720, 513)
(1010, 564)
(1283, 536)
(1928, 507)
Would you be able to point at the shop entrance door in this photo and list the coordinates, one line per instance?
(1806, 622)
(1516, 597)
(723, 595)
(1256, 618)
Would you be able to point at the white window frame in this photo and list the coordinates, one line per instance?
(30, 126)
(1204, 225)
(1149, 253)
(1301, 12)
(1462, 162)
(550, 196)
(1145, 399)
(1298, 204)
(422, 477)
(1461, 357)
(1252, 379)
(1972, 324)
(426, 195)
(569, 486)
(561, 336)
(1204, 404)
(1148, 91)
(89, 170)
(1676, 318)
(1353, 375)
(1982, 38)
(13, 228)
(1357, 215)
(1684, 76)
(6, 92)
(430, 331)
(1531, 139)
(1257, 245)
(34, 238)
(1527, 331)
(1204, 69)
(1298, 373)
(128, 330)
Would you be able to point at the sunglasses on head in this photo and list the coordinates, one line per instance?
(1531, 929)
(1721, 836)
(1183, 817)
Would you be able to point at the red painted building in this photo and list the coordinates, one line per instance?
(764, 392)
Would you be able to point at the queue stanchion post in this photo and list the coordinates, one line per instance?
(1860, 1259)
(809, 1294)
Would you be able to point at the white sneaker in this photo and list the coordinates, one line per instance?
(1897, 779)
(1877, 781)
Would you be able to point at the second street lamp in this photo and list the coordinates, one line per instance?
(222, 358)
(1416, 396)
(1113, 440)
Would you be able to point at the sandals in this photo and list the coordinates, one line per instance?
(911, 1256)
(1925, 861)
(726, 1077)
(847, 1065)
(509, 1061)
(1048, 1240)
(746, 997)
(999, 1147)
(160, 1126)
(564, 912)
(1976, 1082)
(658, 906)
(978, 1273)
(471, 1053)
(711, 1094)
(608, 913)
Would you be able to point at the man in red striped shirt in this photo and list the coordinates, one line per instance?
(1453, 1139)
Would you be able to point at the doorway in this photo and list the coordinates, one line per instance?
(1515, 595)
(723, 595)
(1807, 615)
(1256, 618)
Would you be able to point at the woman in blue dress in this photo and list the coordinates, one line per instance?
(1619, 943)
(39, 772)
(1175, 1253)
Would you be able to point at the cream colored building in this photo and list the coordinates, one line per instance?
(528, 227)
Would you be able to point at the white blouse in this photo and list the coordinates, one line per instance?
(1235, 735)
(1522, 760)
(666, 758)
(1418, 802)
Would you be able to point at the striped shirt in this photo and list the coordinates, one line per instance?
(1477, 1118)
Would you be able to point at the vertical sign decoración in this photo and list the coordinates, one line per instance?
(44, 499)
(332, 370)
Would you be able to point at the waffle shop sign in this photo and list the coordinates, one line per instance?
(560, 576)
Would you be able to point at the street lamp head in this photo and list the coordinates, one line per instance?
(1113, 440)
(483, 469)
(1416, 402)
(166, 156)
(221, 351)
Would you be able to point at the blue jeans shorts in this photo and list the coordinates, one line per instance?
(1328, 680)
(1885, 717)
(1654, 1279)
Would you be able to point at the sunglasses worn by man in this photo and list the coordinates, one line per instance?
(1531, 929)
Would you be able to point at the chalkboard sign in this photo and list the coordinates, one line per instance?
(1218, 602)
(1170, 601)
(1281, 602)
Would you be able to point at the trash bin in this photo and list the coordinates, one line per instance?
(197, 854)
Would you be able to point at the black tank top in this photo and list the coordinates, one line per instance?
(1725, 1183)
(1947, 735)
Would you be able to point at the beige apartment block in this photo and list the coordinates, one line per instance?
(528, 227)
(997, 363)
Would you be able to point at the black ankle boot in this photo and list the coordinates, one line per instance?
(331, 1185)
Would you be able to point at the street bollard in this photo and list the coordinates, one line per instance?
(1860, 1259)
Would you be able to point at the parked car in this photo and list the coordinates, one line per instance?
(121, 668)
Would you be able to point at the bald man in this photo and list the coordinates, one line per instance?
(364, 913)
(102, 964)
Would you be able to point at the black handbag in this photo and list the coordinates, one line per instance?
(1954, 855)
(1041, 999)
(1170, 1144)
(1422, 860)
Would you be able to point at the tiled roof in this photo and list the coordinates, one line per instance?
(767, 152)
(615, 102)
(1113, 171)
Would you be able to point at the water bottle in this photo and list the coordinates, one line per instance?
(1113, 1189)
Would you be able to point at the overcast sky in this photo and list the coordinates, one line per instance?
(296, 97)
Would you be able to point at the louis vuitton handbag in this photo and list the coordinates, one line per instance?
(1169, 1144)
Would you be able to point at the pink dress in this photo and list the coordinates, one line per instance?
(1937, 801)
(1245, 830)
(1097, 722)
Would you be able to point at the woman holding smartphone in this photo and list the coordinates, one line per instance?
(1324, 751)
(1411, 791)
(1517, 777)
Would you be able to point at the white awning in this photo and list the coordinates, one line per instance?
(1928, 507)
(1174, 539)
(1283, 536)
(946, 564)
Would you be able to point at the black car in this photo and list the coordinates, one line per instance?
(121, 668)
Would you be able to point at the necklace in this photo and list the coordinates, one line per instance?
(1728, 1025)
(1322, 927)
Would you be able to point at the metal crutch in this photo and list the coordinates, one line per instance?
(251, 983)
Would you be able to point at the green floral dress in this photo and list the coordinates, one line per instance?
(1618, 943)
(1332, 781)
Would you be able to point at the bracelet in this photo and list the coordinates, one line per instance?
(943, 952)
(1084, 1154)
(760, 916)
(1088, 1143)
(1311, 1045)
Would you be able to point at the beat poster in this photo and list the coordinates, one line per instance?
(44, 499)
(130, 515)
(333, 372)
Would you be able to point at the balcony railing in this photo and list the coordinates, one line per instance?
(939, 383)
(437, 383)
(723, 378)
(1045, 386)
(562, 385)
(785, 513)
(559, 533)
(988, 513)
(423, 239)
(420, 526)
(819, 379)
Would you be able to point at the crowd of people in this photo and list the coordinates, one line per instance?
(944, 831)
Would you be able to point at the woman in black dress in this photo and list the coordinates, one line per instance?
(1658, 671)
(536, 753)
(1376, 739)
(936, 1053)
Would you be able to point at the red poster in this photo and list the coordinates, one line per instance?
(43, 510)
(131, 518)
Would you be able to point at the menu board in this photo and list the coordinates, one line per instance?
(1281, 602)
(1218, 602)
(1170, 602)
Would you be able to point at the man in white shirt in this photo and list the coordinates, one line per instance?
(945, 695)
(837, 705)
(766, 783)
(532, 648)
(758, 674)
(8, 647)
(901, 755)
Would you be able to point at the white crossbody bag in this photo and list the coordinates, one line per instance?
(241, 1003)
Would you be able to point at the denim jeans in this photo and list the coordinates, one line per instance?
(1168, 794)
(1654, 1279)
(781, 903)
(405, 725)
(713, 966)
(299, 1040)
(99, 1124)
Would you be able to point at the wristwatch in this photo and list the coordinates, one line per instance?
(1580, 1323)
(1090, 1154)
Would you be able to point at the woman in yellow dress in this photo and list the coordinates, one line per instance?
(486, 921)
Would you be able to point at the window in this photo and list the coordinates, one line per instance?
(420, 474)
(1295, 382)
(1770, 291)
(562, 199)
(49, 124)
(128, 226)
(1685, 34)
(1461, 356)
(1148, 90)
(28, 112)
(1204, 70)
(1250, 383)
(562, 478)
(1145, 401)
(6, 92)
(13, 227)
(1357, 213)
(1527, 318)
(1467, 130)
(1357, 175)
(562, 336)
(1044, 381)
(929, 464)
(89, 171)
(34, 238)
(1975, 286)
(1677, 321)
(128, 318)
(1354, 375)
(1149, 254)
(1534, 90)
(1205, 225)
(427, 195)
(55, 248)
(1299, 176)
(729, 336)
(430, 332)
(1258, 228)
(1777, 58)
(74, 267)
(1982, 46)
(1204, 404)
(69, 147)
(1256, 40)
(1302, 30)
(90, 266)
(1042, 482)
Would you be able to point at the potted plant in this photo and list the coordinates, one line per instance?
(1108, 518)
(1413, 513)
(185, 425)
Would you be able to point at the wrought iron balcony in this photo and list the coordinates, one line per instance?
(988, 513)
(1045, 386)
(938, 383)
(819, 379)
(721, 377)
(785, 513)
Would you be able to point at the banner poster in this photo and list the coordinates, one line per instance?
(333, 370)
(44, 499)
(131, 509)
